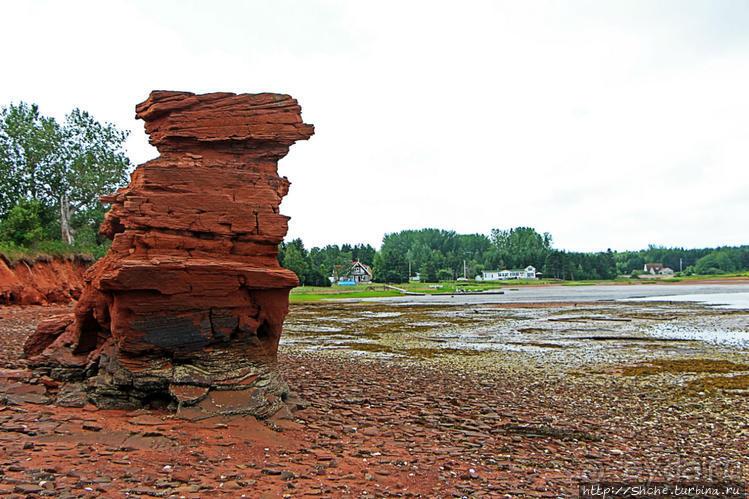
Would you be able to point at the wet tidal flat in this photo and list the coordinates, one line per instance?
(562, 393)
(558, 339)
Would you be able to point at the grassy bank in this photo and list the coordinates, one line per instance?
(47, 250)
(314, 293)
(14, 258)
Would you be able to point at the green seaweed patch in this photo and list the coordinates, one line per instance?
(713, 383)
(422, 353)
(655, 316)
(679, 366)
(545, 345)
(531, 330)
(448, 351)
(656, 345)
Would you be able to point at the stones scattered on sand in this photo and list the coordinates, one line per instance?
(391, 427)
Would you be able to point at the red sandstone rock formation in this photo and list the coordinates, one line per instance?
(189, 302)
(42, 280)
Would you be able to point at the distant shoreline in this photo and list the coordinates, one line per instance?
(304, 294)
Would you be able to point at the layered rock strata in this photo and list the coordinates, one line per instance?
(43, 279)
(187, 306)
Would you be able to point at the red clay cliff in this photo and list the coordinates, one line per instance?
(188, 304)
(43, 279)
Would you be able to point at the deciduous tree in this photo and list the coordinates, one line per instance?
(67, 166)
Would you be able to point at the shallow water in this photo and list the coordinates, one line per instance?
(736, 300)
(578, 294)
(717, 336)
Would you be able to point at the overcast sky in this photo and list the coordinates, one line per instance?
(609, 124)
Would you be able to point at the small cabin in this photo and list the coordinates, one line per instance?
(358, 273)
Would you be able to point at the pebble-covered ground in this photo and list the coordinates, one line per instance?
(415, 401)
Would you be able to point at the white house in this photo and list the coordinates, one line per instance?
(500, 275)
(653, 268)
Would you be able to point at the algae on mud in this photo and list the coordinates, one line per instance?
(612, 339)
(738, 383)
(679, 366)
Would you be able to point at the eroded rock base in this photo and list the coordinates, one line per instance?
(178, 389)
(218, 382)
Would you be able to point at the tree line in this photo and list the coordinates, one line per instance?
(722, 260)
(439, 255)
(442, 255)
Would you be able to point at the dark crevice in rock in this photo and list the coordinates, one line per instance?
(263, 332)
(90, 332)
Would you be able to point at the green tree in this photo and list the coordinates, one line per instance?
(295, 259)
(29, 144)
(390, 266)
(93, 162)
(427, 272)
(445, 275)
(363, 253)
(554, 265)
(521, 246)
(443, 248)
(319, 276)
(24, 224)
(67, 166)
(720, 261)
(314, 276)
(493, 260)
